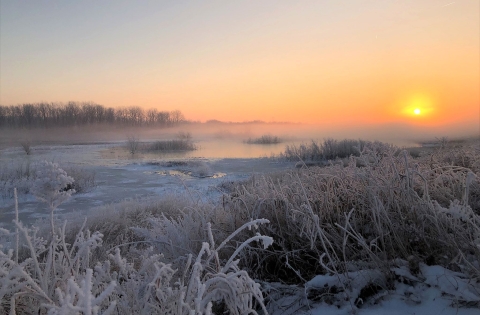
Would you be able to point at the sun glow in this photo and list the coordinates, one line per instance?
(418, 106)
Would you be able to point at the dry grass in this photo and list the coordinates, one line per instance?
(393, 210)
(329, 149)
(15, 175)
(336, 219)
(184, 269)
(171, 145)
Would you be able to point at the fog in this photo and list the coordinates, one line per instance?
(398, 134)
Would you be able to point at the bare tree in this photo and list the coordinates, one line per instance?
(163, 118)
(152, 116)
(82, 113)
(176, 116)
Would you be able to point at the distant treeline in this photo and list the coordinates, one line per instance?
(46, 115)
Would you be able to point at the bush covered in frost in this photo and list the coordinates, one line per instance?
(22, 175)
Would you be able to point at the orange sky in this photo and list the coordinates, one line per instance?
(329, 62)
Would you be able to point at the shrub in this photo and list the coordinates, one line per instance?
(22, 175)
(52, 187)
(84, 180)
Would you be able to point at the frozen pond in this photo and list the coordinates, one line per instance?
(121, 176)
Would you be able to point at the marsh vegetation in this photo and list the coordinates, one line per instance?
(265, 139)
(346, 234)
(170, 145)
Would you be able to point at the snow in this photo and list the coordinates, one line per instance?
(432, 303)
(441, 292)
(435, 290)
(452, 283)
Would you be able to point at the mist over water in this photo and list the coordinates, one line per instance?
(228, 140)
(206, 148)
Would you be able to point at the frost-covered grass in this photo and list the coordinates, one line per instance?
(170, 145)
(347, 236)
(83, 179)
(180, 267)
(335, 220)
(142, 258)
(395, 204)
(329, 149)
(21, 175)
(183, 142)
(15, 175)
(265, 139)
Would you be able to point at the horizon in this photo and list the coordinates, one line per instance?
(333, 64)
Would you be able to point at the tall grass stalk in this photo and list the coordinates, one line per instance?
(16, 229)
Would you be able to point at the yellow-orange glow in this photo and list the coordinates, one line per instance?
(320, 62)
(423, 107)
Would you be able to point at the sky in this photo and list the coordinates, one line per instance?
(336, 63)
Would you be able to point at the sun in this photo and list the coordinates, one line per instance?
(418, 106)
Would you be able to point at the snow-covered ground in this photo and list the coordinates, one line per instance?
(119, 176)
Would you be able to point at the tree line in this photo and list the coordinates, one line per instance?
(45, 115)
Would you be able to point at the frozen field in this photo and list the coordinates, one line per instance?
(331, 228)
(121, 176)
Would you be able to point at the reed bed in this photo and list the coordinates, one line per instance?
(328, 149)
(265, 139)
(171, 145)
